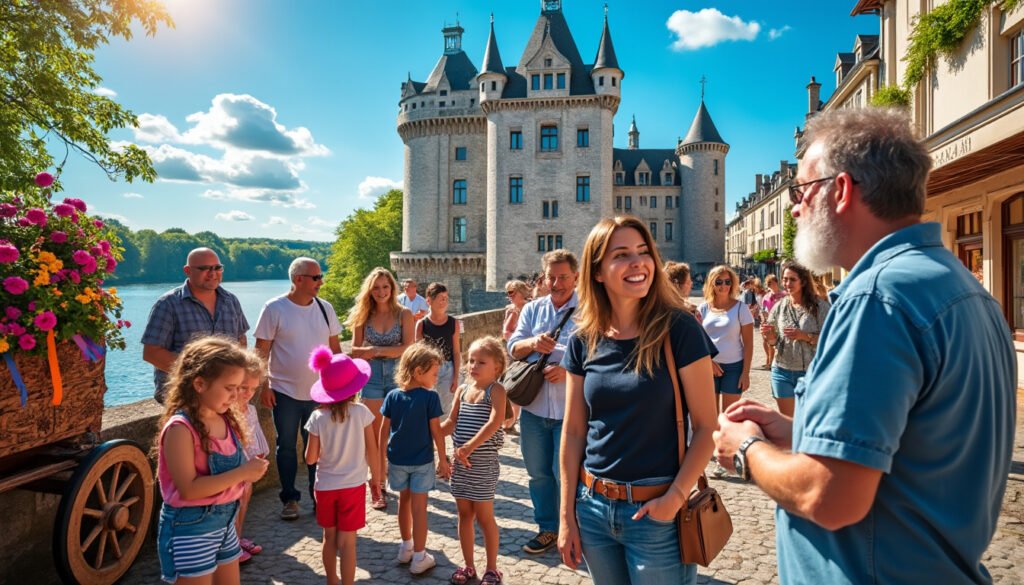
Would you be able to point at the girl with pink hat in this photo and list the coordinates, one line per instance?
(342, 445)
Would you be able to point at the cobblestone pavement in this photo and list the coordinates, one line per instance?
(292, 549)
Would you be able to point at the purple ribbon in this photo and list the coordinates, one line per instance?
(91, 351)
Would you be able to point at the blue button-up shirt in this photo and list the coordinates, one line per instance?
(915, 376)
(177, 317)
(537, 317)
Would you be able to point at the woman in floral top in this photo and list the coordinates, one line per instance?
(792, 327)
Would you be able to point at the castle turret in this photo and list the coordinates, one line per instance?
(634, 135)
(492, 78)
(703, 152)
(606, 74)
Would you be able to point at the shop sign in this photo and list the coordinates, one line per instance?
(953, 151)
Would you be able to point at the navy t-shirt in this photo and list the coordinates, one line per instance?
(631, 425)
(410, 412)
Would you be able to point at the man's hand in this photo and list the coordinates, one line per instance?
(554, 374)
(776, 427)
(543, 343)
(267, 398)
(729, 436)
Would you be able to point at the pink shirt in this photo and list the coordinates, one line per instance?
(169, 491)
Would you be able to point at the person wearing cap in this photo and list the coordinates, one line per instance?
(342, 446)
(288, 329)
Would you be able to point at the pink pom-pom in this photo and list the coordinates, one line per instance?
(320, 358)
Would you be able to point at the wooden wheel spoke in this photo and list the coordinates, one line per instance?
(129, 527)
(124, 486)
(90, 513)
(113, 480)
(131, 501)
(102, 552)
(98, 488)
(92, 537)
(115, 544)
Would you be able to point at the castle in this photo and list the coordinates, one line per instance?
(506, 163)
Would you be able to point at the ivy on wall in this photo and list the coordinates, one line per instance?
(767, 255)
(891, 96)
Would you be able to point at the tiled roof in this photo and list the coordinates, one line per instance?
(605, 50)
(554, 25)
(457, 67)
(703, 129)
(655, 158)
(492, 58)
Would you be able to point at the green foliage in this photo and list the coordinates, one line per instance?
(891, 96)
(768, 255)
(365, 240)
(942, 31)
(788, 234)
(47, 82)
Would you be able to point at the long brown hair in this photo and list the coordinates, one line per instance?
(339, 410)
(808, 291)
(207, 358)
(594, 314)
(365, 304)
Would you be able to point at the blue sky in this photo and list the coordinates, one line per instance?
(277, 119)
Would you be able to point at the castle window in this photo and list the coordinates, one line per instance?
(459, 192)
(547, 62)
(654, 202)
(643, 200)
(414, 105)
(715, 165)
(582, 189)
(444, 92)
(459, 230)
(629, 203)
(515, 189)
(549, 138)
(716, 224)
(613, 81)
(620, 178)
(643, 178)
(677, 201)
(668, 231)
(668, 202)
(494, 86)
(560, 81)
(1017, 58)
(667, 179)
(618, 202)
(535, 82)
(482, 86)
(440, 104)
(654, 230)
(548, 81)
(550, 209)
(548, 242)
(515, 140)
(582, 137)
(460, 153)
(472, 101)
(716, 206)
(600, 80)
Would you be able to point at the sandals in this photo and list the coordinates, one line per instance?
(463, 576)
(491, 578)
(250, 547)
(377, 498)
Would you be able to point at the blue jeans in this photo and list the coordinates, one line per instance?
(382, 379)
(623, 551)
(290, 416)
(729, 381)
(540, 439)
(784, 382)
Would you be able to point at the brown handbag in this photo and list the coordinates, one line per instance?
(704, 523)
(522, 379)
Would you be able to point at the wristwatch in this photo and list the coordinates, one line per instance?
(739, 460)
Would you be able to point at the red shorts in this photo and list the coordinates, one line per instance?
(343, 509)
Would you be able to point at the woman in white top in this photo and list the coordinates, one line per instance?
(730, 325)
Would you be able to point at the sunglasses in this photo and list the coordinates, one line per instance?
(723, 282)
(316, 277)
(209, 267)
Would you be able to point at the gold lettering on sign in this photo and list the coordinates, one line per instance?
(953, 151)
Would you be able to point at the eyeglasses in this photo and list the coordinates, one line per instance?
(796, 192)
(209, 267)
(316, 277)
(723, 282)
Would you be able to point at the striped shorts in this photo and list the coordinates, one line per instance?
(194, 540)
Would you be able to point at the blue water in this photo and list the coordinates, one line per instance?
(128, 377)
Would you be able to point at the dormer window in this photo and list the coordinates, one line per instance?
(547, 62)
(444, 92)
(667, 179)
(643, 178)
(620, 178)
(560, 81)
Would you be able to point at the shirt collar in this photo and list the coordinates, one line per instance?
(571, 303)
(186, 292)
(919, 235)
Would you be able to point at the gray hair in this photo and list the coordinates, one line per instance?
(295, 268)
(881, 152)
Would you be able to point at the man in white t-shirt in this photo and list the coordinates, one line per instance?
(411, 300)
(289, 328)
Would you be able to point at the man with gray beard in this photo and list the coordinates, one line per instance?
(894, 466)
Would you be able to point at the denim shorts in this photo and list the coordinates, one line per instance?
(382, 379)
(194, 540)
(784, 382)
(418, 478)
(729, 381)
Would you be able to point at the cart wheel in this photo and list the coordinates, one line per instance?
(104, 515)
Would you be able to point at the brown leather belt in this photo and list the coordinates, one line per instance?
(622, 491)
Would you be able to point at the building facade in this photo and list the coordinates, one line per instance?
(758, 223)
(505, 163)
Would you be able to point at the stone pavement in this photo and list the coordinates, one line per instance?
(292, 549)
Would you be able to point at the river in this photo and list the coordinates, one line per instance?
(128, 377)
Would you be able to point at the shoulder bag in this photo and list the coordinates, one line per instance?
(704, 524)
(523, 380)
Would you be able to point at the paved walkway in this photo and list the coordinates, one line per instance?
(292, 549)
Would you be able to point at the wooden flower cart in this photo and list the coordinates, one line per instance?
(106, 488)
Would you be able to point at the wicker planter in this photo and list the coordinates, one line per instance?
(40, 423)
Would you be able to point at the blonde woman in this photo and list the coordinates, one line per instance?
(381, 330)
(619, 426)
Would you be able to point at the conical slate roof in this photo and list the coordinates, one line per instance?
(605, 50)
(703, 129)
(492, 58)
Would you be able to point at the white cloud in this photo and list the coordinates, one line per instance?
(275, 220)
(133, 196)
(778, 32)
(708, 27)
(373, 187)
(244, 122)
(105, 92)
(155, 128)
(234, 215)
(114, 216)
(319, 221)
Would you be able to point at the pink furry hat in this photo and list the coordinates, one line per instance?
(340, 376)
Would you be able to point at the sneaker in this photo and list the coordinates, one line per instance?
(719, 471)
(290, 510)
(422, 565)
(404, 554)
(540, 543)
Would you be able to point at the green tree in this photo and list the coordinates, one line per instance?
(47, 82)
(788, 233)
(365, 240)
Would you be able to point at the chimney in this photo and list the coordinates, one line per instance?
(813, 96)
(758, 181)
(784, 168)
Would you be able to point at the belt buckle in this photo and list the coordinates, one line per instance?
(611, 490)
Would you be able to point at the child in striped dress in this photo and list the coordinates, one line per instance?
(255, 376)
(475, 420)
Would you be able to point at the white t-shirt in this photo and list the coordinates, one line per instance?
(415, 305)
(723, 328)
(295, 331)
(342, 461)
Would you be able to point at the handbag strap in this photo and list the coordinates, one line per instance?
(556, 333)
(680, 407)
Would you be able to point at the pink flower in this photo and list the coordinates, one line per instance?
(44, 180)
(75, 277)
(36, 216)
(27, 342)
(56, 277)
(76, 203)
(31, 306)
(63, 210)
(81, 233)
(90, 266)
(8, 210)
(97, 223)
(15, 285)
(105, 246)
(111, 264)
(8, 254)
(24, 222)
(45, 321)
(96, 251)
(127, 323)
(15, 329)
(81, 257)
(58, 237)
(12, 313)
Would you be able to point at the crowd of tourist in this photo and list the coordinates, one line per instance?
(887, 450)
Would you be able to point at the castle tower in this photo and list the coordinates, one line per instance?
(702, 210)
(492, 78)
(634, 135)
(606, 74)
